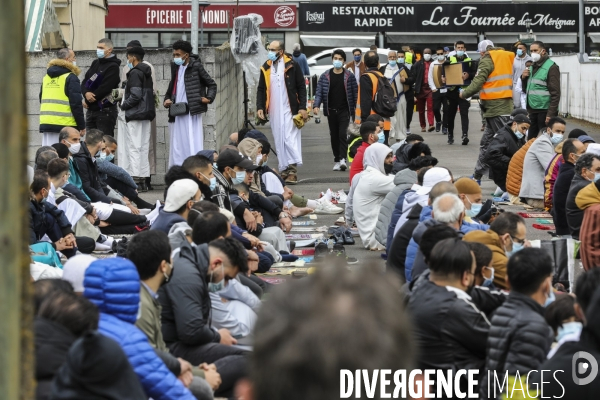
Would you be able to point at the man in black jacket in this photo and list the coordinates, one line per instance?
(138, 104)
(450, 330)
(97, 86)
(520, 338)
(88, 170)
(585, 170)
(572, 150)
(192, 85)
(186, 306)
(54, 101)
(504, 145)
(282, 102)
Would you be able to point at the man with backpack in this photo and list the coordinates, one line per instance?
(375, 94)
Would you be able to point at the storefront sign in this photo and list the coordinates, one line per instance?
(435, 17)
(216, 16)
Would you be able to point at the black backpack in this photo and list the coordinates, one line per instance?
(384, 95)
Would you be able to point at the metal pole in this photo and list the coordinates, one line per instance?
(195, 13)
(581, 31)
(202, 27)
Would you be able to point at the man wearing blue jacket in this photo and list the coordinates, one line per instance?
(337, 91)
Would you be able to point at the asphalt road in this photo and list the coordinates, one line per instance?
(316, 174)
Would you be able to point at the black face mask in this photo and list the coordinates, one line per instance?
(388, 168)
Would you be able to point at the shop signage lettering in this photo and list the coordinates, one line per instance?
(495, 17)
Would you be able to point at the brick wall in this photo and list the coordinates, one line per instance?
(224, 116)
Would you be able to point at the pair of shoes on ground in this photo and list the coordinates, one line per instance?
(325, 206)
(340, 165)
(290, 178)
(341, 234)
(330, 249)
(338, 197)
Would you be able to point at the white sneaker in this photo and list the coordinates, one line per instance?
(336, 167)
(343, 164)
(341, 197)
(326, 207)
(327, 195)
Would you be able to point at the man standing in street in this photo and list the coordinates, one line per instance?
(60, 98)
(138, 104)
(281, 94)
(337, 90)
(518, 67)
(440, 101)
(409, 92)
(192, 87)
(97, 86)
(423, 91)
(356, 65)
(543, 89)
(397, 73)
(493, 81)
(454, 101)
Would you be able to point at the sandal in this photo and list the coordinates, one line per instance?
(291, 179)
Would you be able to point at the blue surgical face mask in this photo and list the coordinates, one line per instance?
(596, 176)
(178, 61)
(487, 282)
(475, 209)
(380, 137)
(568, 328)
(556, 138)
(460, 53)
(357, 58)
(393, 63)
(129, 65)
(100, 53)
(516, 248)
(337, 64)
(272, 55)
(400, 60)
(519, 135)
(102, 155)
(213, 183)
(519, 52)
(551, 297)
(110, 157)
(214, 287)
(240, 177)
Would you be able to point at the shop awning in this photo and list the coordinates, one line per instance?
(595, 37)
(430, 38)
(338, 40)
(42, 29)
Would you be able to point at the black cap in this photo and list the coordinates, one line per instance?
(231, 158)
(520, 119)
(134, 43)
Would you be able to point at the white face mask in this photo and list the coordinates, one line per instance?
(258, 159)
(74, 149)
(427, 57)
(535, 57)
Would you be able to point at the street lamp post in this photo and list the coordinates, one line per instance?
(196, 7)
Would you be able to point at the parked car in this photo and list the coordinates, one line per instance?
(321, 61)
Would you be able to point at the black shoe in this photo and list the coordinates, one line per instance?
(445, 131)
(144, 226)
(149, 183)
(119, 247)
(450, 140)
(465, 140)
(321, 250)
(348, 239)
(438, 125)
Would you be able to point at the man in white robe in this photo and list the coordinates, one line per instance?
(396, 70)
(281, 94)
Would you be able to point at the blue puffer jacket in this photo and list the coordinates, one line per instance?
(413, 246)
(322, 95)
(113, 284)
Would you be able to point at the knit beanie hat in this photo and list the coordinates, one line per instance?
(467, 186)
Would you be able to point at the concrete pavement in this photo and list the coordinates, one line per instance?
(316, 174)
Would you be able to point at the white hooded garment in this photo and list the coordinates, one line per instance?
(370, 192)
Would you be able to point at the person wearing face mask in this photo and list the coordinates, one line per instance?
(519, 338)
(450, 329)
(563, 320)
(455, 103)
(356, 65)
(519, 65)
(151, 253)
(542, 81)
(370, 191)
(181, 196)
(505, 237)
(484, 274)
(60, 98)
(470, 194)
(194, 89)
(504, 145)
(583, 191)
(199, 270)
(398, 75)
(572, 151)
(538, 158)
(337, 91)
(423, 90)
(281, 94)
(97, 86)
(370, 133)
(440, 100)
(70, 137)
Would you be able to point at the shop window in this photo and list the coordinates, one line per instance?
(168, 38)
(148, 40)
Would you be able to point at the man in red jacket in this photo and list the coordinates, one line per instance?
(369, 132)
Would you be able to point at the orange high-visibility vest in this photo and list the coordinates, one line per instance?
(499, 82)
(387, 125)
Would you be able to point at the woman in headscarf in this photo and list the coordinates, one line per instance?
(371, 189)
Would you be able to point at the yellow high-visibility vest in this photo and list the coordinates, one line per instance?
(55, 108)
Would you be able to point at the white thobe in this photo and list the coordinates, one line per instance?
(187, 135)
(398, 121)
(288, 142)
(49, 138)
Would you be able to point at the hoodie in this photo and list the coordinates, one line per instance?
(107, 77)
(402, 160)
(178, 234)
(113, 284)
(403, 180)
(55, 69)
